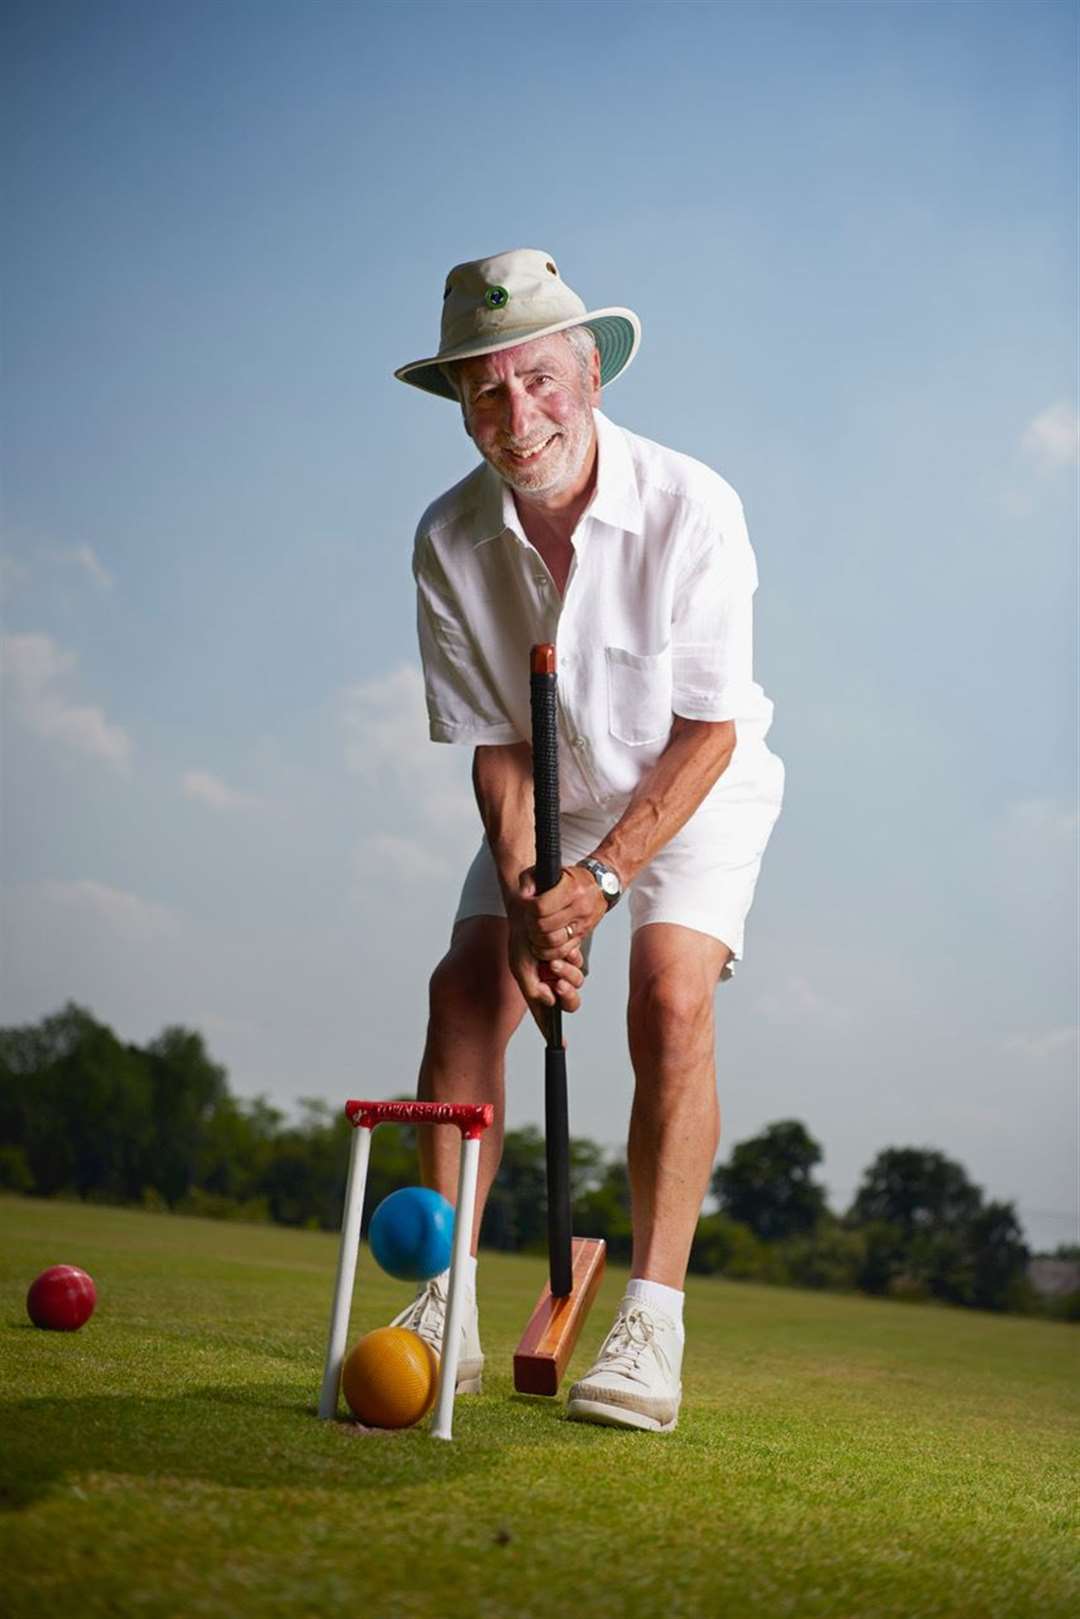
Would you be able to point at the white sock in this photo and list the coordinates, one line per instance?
(668, 1299)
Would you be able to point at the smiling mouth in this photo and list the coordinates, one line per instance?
(523, 457)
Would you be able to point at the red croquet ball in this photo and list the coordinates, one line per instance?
(62, 1298)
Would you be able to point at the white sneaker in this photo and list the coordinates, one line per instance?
(634, 1382)
(426, 1315)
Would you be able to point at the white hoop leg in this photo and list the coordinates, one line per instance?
(359, 1154)
(443, 1421)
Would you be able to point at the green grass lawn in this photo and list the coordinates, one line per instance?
(835, 1456)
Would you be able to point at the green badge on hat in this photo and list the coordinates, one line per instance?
(496, 297)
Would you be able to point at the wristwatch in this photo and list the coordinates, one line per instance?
(606, 880)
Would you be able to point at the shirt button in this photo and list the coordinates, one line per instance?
(580, 743)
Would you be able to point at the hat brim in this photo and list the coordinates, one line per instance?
(617, 333)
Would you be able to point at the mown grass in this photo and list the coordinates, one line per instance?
(836, 1457)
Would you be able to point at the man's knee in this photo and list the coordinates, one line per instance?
(472, 981)
(669, 1014)
(674, 972)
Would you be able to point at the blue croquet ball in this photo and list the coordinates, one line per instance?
(411, 1233)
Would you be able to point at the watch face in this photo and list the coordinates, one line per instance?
(607, 881)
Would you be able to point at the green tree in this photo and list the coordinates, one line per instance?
(724, 1247)
(306, 1168)
(15, 1173)
(831, 1256)
(31, 1109)
(768, 1184)
(588, 1166)
(883, 1256)
(999, 1257)
(937, 1260)
(516, 1213)
(187, 1090)
(915, 1189)
(235, 1148)
(928, 1232)
(79, 1105)
(603, 1210)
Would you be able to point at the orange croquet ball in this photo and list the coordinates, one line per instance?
(390, 1378)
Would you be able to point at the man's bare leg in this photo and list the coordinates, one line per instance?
(475, 1006)
(635, 1381)
(675, 1122)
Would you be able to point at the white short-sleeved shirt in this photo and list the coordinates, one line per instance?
(656, 620)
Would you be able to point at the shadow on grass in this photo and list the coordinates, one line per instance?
(263, 1437)
(261, 1398)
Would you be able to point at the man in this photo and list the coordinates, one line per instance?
(635, 561)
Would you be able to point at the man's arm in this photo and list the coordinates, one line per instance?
(664, 800)
(502, 782)
(690, 766)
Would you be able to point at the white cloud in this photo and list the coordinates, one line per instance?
(386, 740)
(12, 573)
(36, 670)
(383, 718)
(209, 790)
(1053, 438)
(796, 1001)
(406, 858)
(1042, 821)
(123, 914)
(420, 819)
(84, 557)
(1032, 850)
(1045, 1043)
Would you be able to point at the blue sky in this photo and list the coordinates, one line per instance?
(849, 230)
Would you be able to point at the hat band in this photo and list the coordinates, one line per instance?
(482, 325)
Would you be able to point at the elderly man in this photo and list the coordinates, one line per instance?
(635, 561)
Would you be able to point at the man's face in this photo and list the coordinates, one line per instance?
(529, 412)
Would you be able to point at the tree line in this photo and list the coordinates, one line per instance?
(84, 1115)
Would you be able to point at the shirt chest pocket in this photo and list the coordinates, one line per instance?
(639, 695)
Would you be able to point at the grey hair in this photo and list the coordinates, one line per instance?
(582, 344)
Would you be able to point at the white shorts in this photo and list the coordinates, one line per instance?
(703, 879)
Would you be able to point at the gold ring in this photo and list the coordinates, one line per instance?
(569, 930)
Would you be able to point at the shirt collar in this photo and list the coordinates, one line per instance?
(616, 501)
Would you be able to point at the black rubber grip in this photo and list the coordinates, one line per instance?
(545, 750)
(557, 1144)
(545, 741)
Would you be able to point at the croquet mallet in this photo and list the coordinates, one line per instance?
(576, 1263)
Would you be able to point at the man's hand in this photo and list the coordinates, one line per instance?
(555, 980)
(562, 917)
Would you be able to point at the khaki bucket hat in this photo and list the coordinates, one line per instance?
(497, 303)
